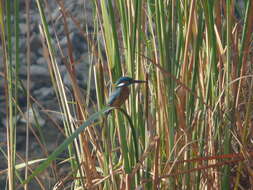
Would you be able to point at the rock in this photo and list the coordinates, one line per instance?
(1, 60)
(40, 76)
(1, 84)
(40, 84)
(66, 80)
(82, 74)
(34, 116)
(79, 43)
(63, 42)
(22, 5)
(23, 28)
(39, 71)
(43, 93)
(34, 57)
(35, 43)
(41, 60)
(56, 14)
(2, 138)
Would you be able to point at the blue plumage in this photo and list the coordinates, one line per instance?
(124, 80)
(114, 95)
(121, 93)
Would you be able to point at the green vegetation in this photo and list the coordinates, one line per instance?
(188, 127)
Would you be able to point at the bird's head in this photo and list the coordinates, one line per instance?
(126, 81)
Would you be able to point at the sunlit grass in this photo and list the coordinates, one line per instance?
(188, 127)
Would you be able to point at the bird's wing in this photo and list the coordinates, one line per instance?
(113, 96)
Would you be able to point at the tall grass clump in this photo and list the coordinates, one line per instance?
(187, 127)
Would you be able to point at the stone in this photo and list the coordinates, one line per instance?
(35, 43)
(41, 60)
(43, 93)
(39, 71)
(79, 43)
(41, 87)
(23, 28)
(34, 117)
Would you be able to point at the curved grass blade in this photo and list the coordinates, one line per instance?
(66, 143)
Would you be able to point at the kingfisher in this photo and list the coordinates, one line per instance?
(121, 93)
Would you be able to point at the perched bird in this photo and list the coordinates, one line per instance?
(121, 93)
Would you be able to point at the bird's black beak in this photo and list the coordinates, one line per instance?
(139, 81)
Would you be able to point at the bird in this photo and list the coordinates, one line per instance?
(121, 92)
